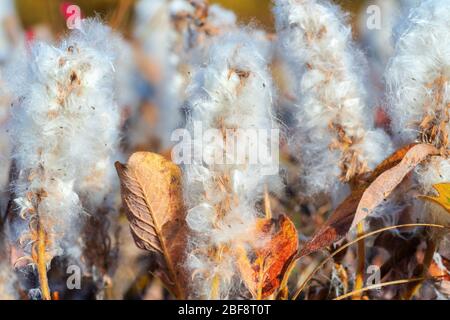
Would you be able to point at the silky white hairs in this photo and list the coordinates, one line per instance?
(161, 43)
(418, 76)
(378, 39)
(7, 11)
(231, 93)
(5, 146)
(156, 32)
(376, 24)
(126, 76)
(65, 129)
(11, 48)
(173, 38)
(379, 25)
(418, 84)
(418, 93)
(337, 139)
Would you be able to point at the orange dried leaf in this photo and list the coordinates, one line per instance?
(152, 195)
(443, 197)
(440, 271)
(263, 275)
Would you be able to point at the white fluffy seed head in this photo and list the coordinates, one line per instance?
(154, 28)
(233, 91)
(379, 24)
(158, 36)
(196, 21)
(5, 146)
(376, 24)
(126, 79)
(418, 76)
(7, 11)
(418, 94)
(65, 129)
(174, 36)
(337, 138)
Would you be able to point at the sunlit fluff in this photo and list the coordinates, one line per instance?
(233, 90)
(337, 139)
(65, 129)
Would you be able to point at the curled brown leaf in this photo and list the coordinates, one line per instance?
(152, 196)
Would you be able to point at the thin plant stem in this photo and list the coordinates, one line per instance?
(267, 204)
(42, 262)
(359, 281)
(377, 286)
(215, 288)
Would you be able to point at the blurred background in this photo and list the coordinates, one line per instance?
(34, 12)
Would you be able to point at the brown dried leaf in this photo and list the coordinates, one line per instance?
(340, 221)
(264, 274)
(383, 186)
(152, 195)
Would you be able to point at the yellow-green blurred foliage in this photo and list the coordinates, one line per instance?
(34, 12)
(260, 10)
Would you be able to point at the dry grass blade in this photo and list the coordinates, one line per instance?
(383, 186)
(359, 281)
(342, 248)
(152, 195)
(41, 263)
(377, 286)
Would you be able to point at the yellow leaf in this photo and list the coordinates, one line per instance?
(443, 198)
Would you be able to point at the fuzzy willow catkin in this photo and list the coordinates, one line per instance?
(6, 14)
(375, 26)
(378, 25)
(337, 138)
(64, 129)
(230, 95)
(127, 93)
(418, 77)
(174, 35)
(5, 145)
(418, 88)
(156, 32)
